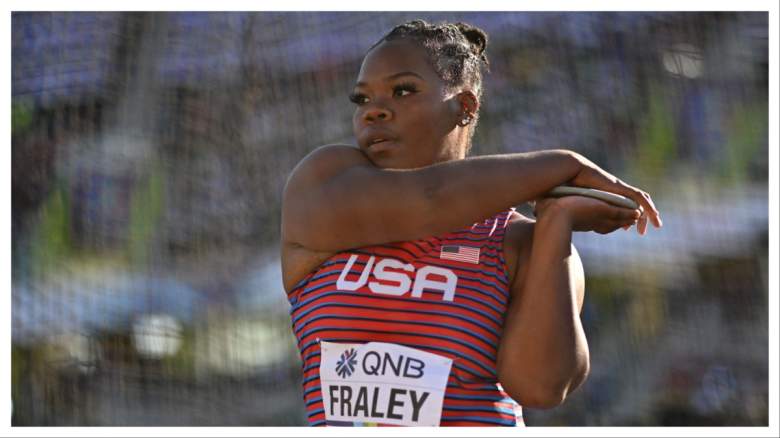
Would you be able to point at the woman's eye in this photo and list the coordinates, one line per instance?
(358, 98)
(404, 90)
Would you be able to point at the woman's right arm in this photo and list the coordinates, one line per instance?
(336, 199)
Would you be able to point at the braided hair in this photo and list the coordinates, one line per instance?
(456, 50)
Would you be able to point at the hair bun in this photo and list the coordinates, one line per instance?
(476, 36)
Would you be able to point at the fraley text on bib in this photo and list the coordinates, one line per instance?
(379, 382)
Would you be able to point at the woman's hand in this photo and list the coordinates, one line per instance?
(588, 214)
(594, 177)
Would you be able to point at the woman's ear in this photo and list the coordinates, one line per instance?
(469, 104)
(465, 108)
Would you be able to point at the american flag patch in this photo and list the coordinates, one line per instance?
(467, 254)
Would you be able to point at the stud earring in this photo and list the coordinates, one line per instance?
(465, 120)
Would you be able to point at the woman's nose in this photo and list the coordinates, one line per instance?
(377, 114)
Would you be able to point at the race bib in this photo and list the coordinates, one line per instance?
(383, 383)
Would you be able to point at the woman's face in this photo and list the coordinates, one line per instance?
(404, 117)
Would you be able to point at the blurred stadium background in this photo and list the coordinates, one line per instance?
(149, 151)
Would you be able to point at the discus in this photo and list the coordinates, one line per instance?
(608, 197)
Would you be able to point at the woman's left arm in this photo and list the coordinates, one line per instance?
(543, 355)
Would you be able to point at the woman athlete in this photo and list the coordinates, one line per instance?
(419, 296)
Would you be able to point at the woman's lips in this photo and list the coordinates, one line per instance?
(382, 146)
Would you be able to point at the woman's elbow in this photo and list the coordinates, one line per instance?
(539, 399)
(545, 395)
(537, 396)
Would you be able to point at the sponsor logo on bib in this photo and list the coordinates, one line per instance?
(381, 382)
(346, 364)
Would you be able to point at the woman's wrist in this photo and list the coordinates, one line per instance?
(574, 161)
(554, 218)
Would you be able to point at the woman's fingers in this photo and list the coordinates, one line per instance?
(641, 225)
(593, 176)
(630, 214)
(654, 215)
(649, 211)
(604, 218)
(615, 218)
(625, 218)
(613, 225)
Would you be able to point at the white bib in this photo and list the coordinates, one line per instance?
(380, 382)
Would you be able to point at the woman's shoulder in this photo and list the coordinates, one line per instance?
(314, 170)
(333, 149)
(333, 154)
(324, 162)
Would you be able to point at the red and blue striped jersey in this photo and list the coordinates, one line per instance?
(445, 295)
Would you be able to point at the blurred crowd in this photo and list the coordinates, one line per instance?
(149, 153)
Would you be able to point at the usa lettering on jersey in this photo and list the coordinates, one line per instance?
(427, 277)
